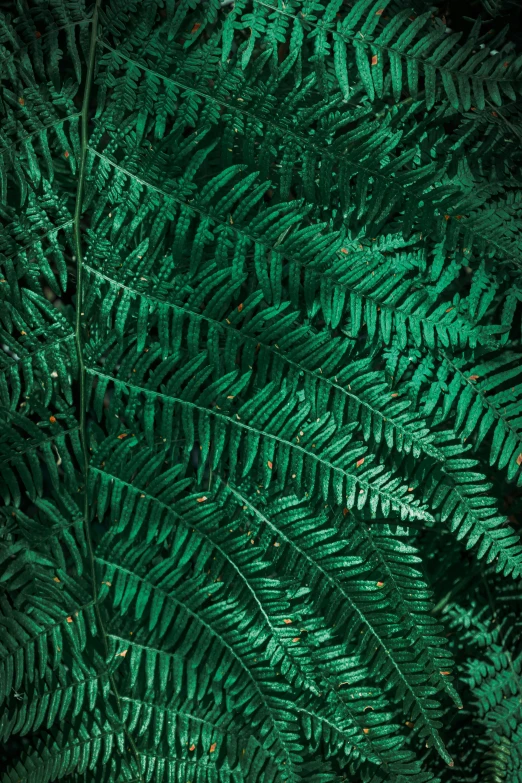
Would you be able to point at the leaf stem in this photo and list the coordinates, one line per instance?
(81, 365)
(84, 117)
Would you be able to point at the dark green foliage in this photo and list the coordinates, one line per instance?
(260, 392)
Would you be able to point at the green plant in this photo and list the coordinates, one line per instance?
(260, 394)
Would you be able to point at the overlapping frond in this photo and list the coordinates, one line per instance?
(260, 422)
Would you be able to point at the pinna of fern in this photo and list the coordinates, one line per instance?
(259, 391)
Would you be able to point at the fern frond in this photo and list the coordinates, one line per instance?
(259, 393)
